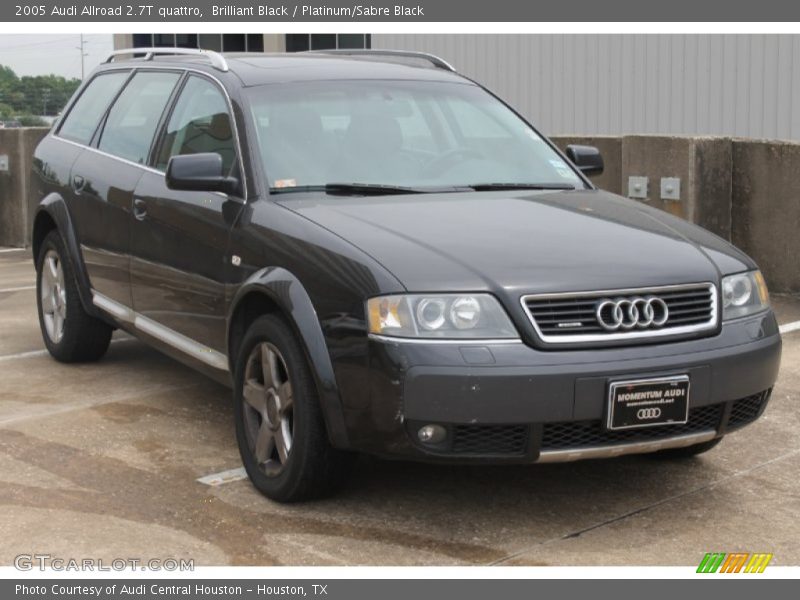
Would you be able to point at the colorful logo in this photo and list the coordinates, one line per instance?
(734, 562)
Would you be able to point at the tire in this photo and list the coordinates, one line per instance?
(69, 332)
(688, 451)
(280, 429)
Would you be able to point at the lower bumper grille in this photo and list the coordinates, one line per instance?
(514, 441)
(584, 434)
(507, 440)
(746, 410)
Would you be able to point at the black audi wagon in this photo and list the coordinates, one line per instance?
(378, 255)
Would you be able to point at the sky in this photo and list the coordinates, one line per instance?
(53, 53)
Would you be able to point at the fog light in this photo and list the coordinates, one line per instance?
(431, 434)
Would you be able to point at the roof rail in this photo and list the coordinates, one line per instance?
(217, 60)
(437, 62)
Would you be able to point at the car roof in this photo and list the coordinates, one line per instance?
(254, 69)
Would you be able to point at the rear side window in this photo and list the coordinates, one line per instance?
(82, 120)
(200, 122)
(133, 119)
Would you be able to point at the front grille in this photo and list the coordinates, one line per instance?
(573, 318)
(507, 440)
(586, 434)
(746, 410)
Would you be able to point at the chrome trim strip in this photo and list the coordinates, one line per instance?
(54, 135)
(165, 334)
(485, 342)
(101, 153)
(629, 335)
(681, 441)
(115, 309)
(217, 60)
(436, 61)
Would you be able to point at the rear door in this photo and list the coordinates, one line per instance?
(105, 176)
(100, 218)
(179, 240)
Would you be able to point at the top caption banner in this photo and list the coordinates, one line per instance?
(424, 11)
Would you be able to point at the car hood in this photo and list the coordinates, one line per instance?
(523, 242)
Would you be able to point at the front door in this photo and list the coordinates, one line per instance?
(179, 240)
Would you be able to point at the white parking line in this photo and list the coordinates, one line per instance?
(4, 250)
(222, 477)
(33, 353)
(18, 289)
(789, 327)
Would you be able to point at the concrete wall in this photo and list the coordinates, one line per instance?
(703, 166)
(17, 201)
(766, 209)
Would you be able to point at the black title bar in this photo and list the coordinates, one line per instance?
(731, 588)
(393, 11)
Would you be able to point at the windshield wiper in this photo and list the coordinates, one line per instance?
(358, 189)
(491, 187)
(370, 189)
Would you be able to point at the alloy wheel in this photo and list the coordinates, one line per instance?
(53, 296)
(268, 408)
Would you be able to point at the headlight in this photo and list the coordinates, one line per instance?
(460, 316)
(743, 294)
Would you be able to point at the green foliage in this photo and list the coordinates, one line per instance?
(32, 121)
(33, 95)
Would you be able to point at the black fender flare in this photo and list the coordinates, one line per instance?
(288, 294)
(55, 208)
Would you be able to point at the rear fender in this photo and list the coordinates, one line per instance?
(53, 211)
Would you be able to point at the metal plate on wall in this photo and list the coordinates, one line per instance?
(670, 188)
(637, 187)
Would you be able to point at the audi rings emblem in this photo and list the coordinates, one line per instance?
(629, 313)
(648, 413)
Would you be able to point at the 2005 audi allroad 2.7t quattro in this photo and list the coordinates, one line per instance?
(378, 255)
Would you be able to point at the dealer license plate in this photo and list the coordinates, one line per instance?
(648, 402)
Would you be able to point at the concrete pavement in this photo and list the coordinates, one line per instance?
(101, 460)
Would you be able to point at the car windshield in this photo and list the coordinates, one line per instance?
(376, 136)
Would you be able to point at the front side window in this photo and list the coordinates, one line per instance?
(133, 120)
(83, 118)
(200, 122)
(415, 134)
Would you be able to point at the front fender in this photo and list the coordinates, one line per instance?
(52, 210)
(286, 291)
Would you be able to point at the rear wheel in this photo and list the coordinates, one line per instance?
(279, 425)
(69, 332)
(688, 451)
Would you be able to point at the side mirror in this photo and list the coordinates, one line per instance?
(199, 173)
(587, 158)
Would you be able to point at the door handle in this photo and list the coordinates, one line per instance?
(139, 208)
(77, 183)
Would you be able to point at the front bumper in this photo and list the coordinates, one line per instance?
(508, 402)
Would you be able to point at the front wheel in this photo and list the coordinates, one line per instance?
(279, 425)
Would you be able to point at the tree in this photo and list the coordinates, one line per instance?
(35, 95)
